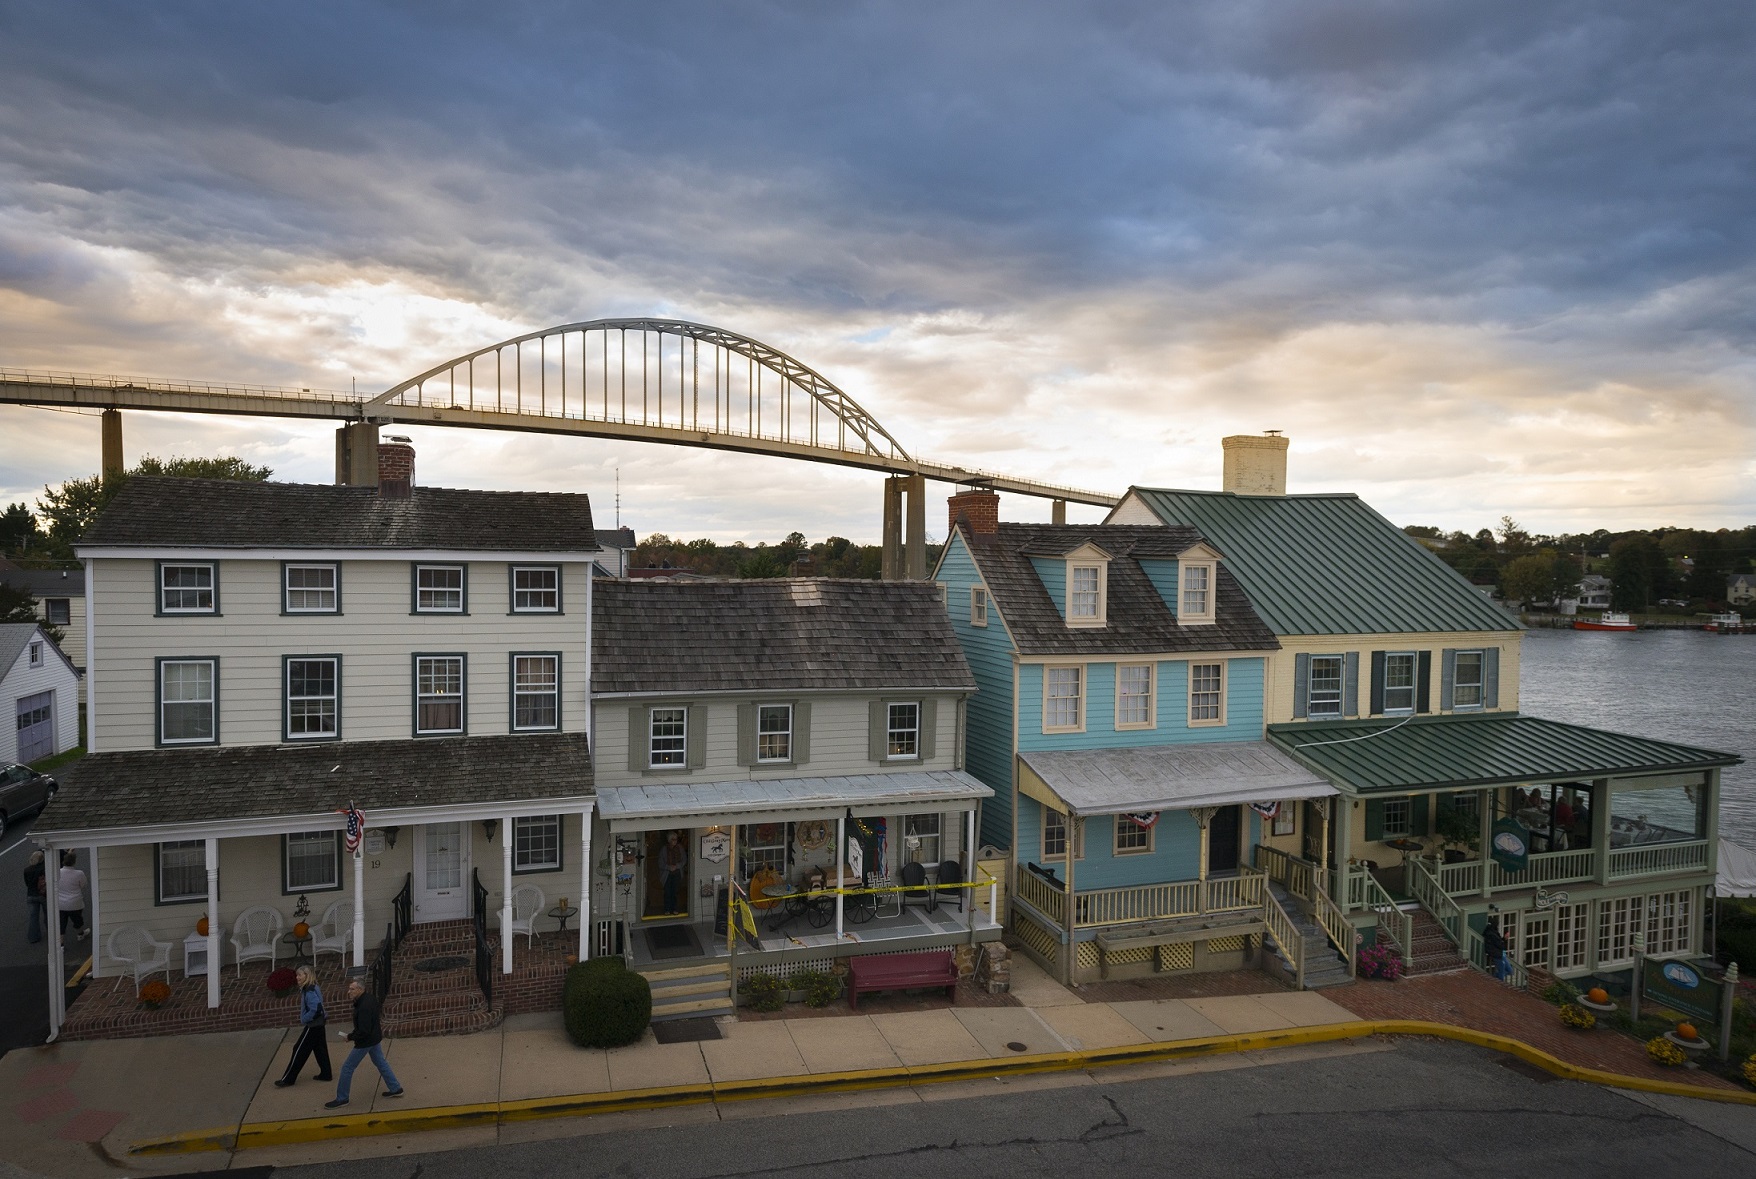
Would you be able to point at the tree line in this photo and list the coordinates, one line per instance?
(1645, 566)
(837, 556)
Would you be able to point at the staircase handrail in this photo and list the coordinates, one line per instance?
(1298, 876)
(1286, 934)
(1476, 953)
(1336, 927)
(1399, 925)
(1424, 883)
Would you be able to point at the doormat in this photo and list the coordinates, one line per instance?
(684, 1031)
(672, 941)
(435, 965)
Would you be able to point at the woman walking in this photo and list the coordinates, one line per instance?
(70, 894)
(311, 1020)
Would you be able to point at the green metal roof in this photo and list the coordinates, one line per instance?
(1329, 564)
(1454, 752)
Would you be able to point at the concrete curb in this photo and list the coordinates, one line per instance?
(249, 1135)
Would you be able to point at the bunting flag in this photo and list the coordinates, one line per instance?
(1267, 810)
(1143, 820)
(355, 829)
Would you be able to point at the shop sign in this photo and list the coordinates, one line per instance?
(1511, 845)
(1681, 987)
(716, 847)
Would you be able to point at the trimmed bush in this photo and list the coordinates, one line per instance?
(605, 1004)
(821, 989)
(764, 991)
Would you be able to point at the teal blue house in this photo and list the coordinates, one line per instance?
(1119, 721)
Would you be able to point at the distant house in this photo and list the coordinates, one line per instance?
(1741, 589)
(1594, 592)
(41, 691)
(60, 595)
(615, 552)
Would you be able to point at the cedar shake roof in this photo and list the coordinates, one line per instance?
(1138, 619)
(158, 786)
(155, 511)
(772, 636)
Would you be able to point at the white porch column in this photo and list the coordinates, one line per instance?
(837, 863)
(97, 959)
(211, 859)
(584, 885)
(969, 872)
(506, 896)
(360, 904)
(52, 911)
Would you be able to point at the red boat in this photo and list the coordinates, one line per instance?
(1605, 621)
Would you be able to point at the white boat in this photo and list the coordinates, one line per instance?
(1608, 620)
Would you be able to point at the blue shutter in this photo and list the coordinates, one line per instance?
(1301, 684)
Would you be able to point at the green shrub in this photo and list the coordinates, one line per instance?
(1561, 992)
(820, 989)
(765, 992)
(605, 1004)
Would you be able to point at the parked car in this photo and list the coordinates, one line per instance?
(23, 792)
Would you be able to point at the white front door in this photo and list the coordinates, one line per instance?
(442, 883)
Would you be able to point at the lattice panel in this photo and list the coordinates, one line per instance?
(1224, 945)
(1179, 956)
(1089, 954)
(788, 969)
(1039, 940)
(1133, 954)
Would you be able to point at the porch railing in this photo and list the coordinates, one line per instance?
(401, 912)
(378, 972)
(1477, 954)
(1562, 867)
(1433, 898)
(1336, 925)
(1296, 875)
(484, 954)
(1461, 878)
(1393, 923)
(1286, 935)
(1142, 902)
(1654, 858)
(1046, 897)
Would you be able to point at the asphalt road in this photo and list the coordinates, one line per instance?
(1421, 1109)
(24, 999)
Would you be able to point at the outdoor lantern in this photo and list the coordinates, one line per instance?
(489, 826)
(390, 836)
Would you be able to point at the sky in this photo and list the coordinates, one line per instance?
(1475, 259)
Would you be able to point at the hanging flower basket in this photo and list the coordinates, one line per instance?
(282, 981)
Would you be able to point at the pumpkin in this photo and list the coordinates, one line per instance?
(301, 930)
(1686, 1031)
(1598, 995)
(201, 927)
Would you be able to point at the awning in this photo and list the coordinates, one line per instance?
(1737, 871)
(1166, 777)
(1489, 749)
(649, 806)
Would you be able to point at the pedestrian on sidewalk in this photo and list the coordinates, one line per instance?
(70, 895)
(1494, 950)
(311, 1040)
(368, 1038)
(36, 896)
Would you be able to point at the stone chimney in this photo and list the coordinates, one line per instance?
(979, 508)
(1256, 464)
(396, 467)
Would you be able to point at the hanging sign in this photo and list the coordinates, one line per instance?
(1266, 809)
(1145, 820)
(1682, 988)
(356, 827)
(1511, 844)
(716, 847)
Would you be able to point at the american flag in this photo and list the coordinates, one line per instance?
(356, 826)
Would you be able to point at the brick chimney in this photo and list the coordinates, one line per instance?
(979, 508)
(1256, 464)
(396, 467)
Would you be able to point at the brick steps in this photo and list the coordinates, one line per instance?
(1432, 951)
(437, 1003)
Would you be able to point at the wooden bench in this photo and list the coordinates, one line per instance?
(896, 972)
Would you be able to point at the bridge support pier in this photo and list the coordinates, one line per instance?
(905, 555)
(356, 455)
(112, 443)
(1058, 511)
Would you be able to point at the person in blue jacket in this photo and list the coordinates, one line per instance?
(311, 1031)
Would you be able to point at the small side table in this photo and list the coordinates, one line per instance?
(300, 958)
(194, 955)
(563, 915)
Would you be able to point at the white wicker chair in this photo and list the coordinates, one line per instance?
(141, 953)
(527, 906)
(335, 933)
(256, 935)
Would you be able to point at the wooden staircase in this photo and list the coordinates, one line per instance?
(685, 992)
(1324, 965)
(437, 1003)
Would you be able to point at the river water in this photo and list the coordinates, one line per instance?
(1688, 686)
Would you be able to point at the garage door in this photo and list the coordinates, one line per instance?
(36, 727)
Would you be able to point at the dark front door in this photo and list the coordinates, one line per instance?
(1222, 839)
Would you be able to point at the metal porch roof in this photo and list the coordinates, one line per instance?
(1168, 777)
(666, 804)
(1440, 752)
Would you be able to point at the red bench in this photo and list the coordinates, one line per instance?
(896, 972)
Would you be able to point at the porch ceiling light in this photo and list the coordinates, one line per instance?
(489, 826)
(390, 836)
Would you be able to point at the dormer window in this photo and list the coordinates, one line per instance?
(1082, 598)
(1088, 576)
(1197, 573)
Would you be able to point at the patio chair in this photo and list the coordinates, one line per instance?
(527, 905)
(951, 889)
(256, 935)
(335, 933)
(914, 878)
(141, 953)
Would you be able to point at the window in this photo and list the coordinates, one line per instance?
(669, 741)
(1062, 698)
(1134, 696)
(763, 845)
(311, 861)
(1399, 682)
(536, 589)
(1055, 837)
(1468, 805)
(1324, 688)
(438, 694)
(1570, 936)
(1615, 930)
(902, 731)
(1398, 818)
(978, 606)
(439, 589)
(920, 838)
(313, 697)
(187, 715)
(1197, 587)
(536, 843)
(1466, 690)
(312, 589)
(774, 732)
(536, 692)
(1207, 693)
(1083, 594)
(186, 589)
(1668, 922)
(36, 653)
(1131, 838)
(58, 611)
(182, 871)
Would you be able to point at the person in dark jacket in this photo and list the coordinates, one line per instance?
(368, 1038)
(1494, 950)
(311, 1040)
(36, 896)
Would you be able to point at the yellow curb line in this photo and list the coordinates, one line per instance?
(250, 1135)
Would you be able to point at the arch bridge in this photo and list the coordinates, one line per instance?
(642, 380)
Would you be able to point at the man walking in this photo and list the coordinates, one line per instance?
(368, 1038)
(36, 896)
